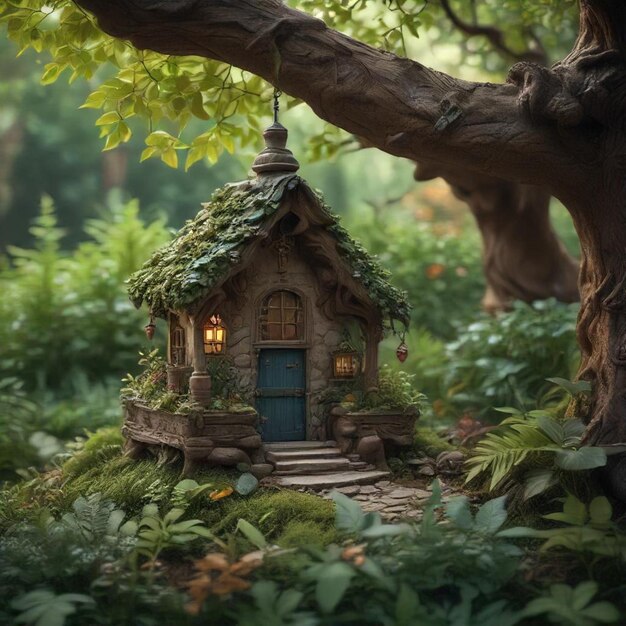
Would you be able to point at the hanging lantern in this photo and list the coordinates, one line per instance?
(150, 328)
(402, 352)
(214, 333)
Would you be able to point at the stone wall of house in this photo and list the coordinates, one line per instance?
(322, 335)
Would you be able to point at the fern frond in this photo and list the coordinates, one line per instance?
(500, 451)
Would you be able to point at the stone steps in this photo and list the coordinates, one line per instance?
(275, 456)
(311, 465)
(360, 465)
(317, 465)
(331, 480)
(281, 446)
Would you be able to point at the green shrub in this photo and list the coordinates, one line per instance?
(89, 406)
(440, 271)
(505, 360)
(17, 423)
(100, 446)
(66, 317)
(395, 391)
(428, 442)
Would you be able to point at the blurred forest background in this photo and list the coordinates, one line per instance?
(76, 221)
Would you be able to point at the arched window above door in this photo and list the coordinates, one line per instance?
(281, 317)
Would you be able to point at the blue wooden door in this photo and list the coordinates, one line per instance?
(281, 394)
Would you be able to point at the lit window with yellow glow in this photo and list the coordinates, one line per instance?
(214, 336)
(345, 364)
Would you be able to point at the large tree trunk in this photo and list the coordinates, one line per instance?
(523, 258)
(563, 129)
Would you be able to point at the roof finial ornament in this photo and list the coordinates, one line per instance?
(275, 158)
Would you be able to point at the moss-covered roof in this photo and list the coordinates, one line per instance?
(204, 251)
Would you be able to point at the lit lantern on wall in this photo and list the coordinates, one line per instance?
(345, 364)
(214, 335)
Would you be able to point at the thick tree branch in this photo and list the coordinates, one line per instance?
(495, 37)
(399, 105)
(523, 258)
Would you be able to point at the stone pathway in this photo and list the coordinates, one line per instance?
(394, 501)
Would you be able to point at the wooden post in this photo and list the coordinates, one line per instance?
(199, 358)
(200, 381)
(373, 336)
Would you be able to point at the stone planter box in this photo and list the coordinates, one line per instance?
(373, 434)
(213, 437)
(395, 427)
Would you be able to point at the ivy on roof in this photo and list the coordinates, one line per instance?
(204, 251)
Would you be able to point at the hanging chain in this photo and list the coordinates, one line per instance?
(277, 94)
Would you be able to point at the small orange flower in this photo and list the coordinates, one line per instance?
(219, 577)
(434, 270)
(354, 554)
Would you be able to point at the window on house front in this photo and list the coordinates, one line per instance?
(214, 335)
(281, 317)
(177, 346)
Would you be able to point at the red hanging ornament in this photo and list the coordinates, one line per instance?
(150, 328)
(402, 352)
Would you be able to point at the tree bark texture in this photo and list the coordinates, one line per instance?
(563, 129)
(523, 258)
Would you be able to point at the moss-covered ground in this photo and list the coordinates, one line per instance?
(285, 517)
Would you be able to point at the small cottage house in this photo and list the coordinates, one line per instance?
(266, 277)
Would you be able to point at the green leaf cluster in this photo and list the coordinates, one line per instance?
(506, 360)
(65, 319)
(584, 528)
(45, 608)
(156, 533)
(533, 447)
(573, 606)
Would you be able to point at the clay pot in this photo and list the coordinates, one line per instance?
(200, 388)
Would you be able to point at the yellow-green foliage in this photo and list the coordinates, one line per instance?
(273, 512)
(104, 444)
(428, 442)
(132, 484)
(299, 533)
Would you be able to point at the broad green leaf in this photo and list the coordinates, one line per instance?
(584, 458)
(112, 117)
(333, 583)
(458, 512)
(147, 153)
(552, 428)
(348, 513)
(491, 516)
(169, 157)
(572, 388)
(600, 511)
(50, 74)
(252, 534)
(94, 100)
(407, 606)
(537, 481)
